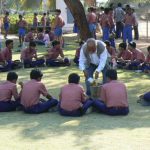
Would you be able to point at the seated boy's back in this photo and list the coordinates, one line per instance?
(31, 93)
(114, 94)
(72, 96)
(7, 90)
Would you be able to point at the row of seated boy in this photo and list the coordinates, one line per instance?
(129, 57)
(29, 57)
(72, 98)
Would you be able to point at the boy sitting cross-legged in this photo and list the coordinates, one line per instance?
(52, 58)
(30, 95)
(73, 99)
(8, 89)
(29, 57)
(113, 98)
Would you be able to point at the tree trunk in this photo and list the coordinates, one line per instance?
(78, 13)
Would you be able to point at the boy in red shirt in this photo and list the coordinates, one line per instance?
(6, 57)
(112, 103)
(8, 89)
(124, 56)
(53, 54)
(129, 22)
(59, 23)
(73, 99)
(30, 95)
(138, 57)
(6, 22)
(22, 24)
(105, 24)
(43, 21)
(92, 20)
(146, 65)
(29, 54)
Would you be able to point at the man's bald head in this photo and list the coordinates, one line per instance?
(91, 45)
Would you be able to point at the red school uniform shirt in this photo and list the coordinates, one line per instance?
(148, 58)
(6, 54)
(28, 54)
(129, 19)
(114, 94)
(125, 55)
(7, 91)
(29, 37)
(53, 53)
(22, 23)
(31, 92)
(138, 55)
(105, 22)
(112, 51)
(72, 96)
(59, 22)
(43, 21)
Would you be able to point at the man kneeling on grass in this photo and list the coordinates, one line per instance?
(113, 98)
(30, 95)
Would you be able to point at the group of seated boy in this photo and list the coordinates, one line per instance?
(129, 57)
(72, 98)
(29, 57)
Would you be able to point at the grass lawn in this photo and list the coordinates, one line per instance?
(50, 131)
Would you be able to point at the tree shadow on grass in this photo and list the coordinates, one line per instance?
(43, 126)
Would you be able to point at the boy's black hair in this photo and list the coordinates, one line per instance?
(7, 13)
(148, 48)
(107, 43)
(55, 42)
(47, 32)
(106, 10)
(123, 45)
(92, 8)
(133, 9)
(35, 14)
(74, 78)
(44, 14)
(40, 30)
(32, 44)
(81, 43)
(36, 74)
(31, 29)
(128, 6)
(8, 42)
(132, 44)
(111, 74)
(48, 28)
(12, 76)
(58, 10)
(119, 5)
(102, 8)
(20, 16)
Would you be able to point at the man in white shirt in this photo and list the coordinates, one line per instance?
(93, 58)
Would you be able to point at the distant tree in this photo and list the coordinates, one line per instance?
(78, 13)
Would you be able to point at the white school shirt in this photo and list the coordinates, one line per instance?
(46, 38)
(100, 62)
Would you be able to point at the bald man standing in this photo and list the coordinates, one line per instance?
(93, 60)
